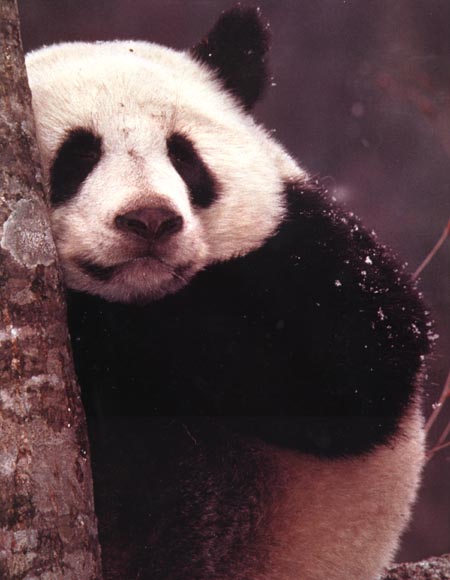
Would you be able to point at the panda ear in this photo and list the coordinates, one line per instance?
(236, 48)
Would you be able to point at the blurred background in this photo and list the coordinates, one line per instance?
(361, 96)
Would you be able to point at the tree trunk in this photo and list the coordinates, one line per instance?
(431, 569)
(47, 522)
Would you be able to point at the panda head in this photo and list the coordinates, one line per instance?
(154, 166)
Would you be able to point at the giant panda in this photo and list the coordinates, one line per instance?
(249, 355)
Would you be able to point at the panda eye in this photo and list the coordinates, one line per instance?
(191, 168)
(76, 158)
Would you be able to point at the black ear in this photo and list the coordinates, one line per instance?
(236, 48)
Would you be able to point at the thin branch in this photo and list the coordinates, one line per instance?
(444, 434)
(434, 450)
(433, 252)
(437, 407)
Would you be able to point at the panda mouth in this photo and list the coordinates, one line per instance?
(106, 273)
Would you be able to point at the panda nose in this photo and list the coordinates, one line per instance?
(150, 223)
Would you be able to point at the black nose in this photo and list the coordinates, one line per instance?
(151, 223)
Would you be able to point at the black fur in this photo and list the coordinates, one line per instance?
(202, 186)
(76, 158)
(180, 499)
(312, 342)
(236, 49)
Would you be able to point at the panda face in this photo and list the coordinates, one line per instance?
(154, 170)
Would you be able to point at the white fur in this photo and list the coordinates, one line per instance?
(135, 95)
(341, 519)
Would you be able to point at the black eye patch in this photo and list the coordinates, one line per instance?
(191, 168)
(76, 158)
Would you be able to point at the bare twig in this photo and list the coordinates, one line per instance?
(445, 394)
(437, 407)
(434, 450)
(444, 434)
(433, 252)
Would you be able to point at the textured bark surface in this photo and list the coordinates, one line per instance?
(431, 569)
(47, 521)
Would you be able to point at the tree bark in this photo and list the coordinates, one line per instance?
(431, 569)
(47, 522)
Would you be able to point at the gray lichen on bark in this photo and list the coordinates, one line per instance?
(26, 235)
(47, 521)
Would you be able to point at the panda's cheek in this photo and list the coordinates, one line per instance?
(62, 233)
